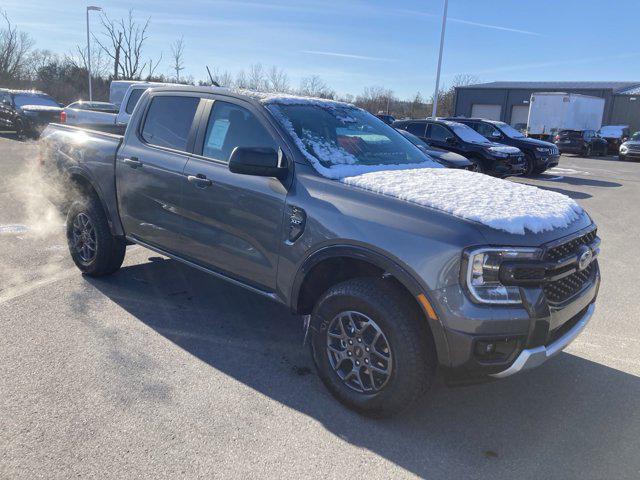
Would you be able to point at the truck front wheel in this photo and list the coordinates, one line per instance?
(95, 251)
(372, 350)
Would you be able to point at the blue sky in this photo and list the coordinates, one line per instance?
(352, 43)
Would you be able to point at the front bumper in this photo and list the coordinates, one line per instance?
(524, 335)
(534, 357)
(548, 161)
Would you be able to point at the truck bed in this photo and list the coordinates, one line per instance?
(68, 151)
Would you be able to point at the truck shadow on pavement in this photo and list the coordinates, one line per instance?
(571, 418)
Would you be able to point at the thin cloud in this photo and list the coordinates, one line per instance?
(345, 55)
(493, 27)
(470, 23)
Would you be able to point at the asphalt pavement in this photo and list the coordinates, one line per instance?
(161, 371)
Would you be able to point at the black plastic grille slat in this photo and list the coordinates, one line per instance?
(565, 288)
(572, 246)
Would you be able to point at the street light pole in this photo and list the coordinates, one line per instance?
(434, 113)
(89, 50)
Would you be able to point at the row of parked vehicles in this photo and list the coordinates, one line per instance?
(28, 112)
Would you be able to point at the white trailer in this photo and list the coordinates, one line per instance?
(551, 112)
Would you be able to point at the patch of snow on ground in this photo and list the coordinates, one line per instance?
(497, 203)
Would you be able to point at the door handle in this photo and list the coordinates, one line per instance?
(199, 180)
(133, 162)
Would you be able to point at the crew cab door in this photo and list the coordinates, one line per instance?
(150, 167)
(233, 222)
(438, 135)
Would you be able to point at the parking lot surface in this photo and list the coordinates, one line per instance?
(161, 371)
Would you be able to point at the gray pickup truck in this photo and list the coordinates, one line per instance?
(398, 267)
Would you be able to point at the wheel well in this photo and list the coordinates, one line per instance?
(334, 270)
(81, 188)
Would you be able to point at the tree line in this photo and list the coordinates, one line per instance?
(118, 52)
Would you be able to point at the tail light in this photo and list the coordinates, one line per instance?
(557, 137)
(63, 117)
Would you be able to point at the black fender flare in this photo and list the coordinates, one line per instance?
(389, 266)
(86, 176)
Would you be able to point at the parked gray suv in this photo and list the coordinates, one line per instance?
(396, 265)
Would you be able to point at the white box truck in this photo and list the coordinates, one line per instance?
(554, 111)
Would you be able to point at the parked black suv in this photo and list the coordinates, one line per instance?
(539, 155)
(27, 111)
(586, 142)
(490, 157)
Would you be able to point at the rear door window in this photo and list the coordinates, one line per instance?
(418, 129)
(135, 95)
(439, 133)
(232, 126)
(168, 121)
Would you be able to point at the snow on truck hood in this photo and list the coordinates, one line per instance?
(500, 204)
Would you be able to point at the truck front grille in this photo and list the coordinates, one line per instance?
(572, 246)
(565, 288)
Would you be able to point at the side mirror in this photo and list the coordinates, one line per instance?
(496, 134)
(450, 141)
(258, 161)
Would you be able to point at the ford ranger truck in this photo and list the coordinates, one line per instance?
(397, 266)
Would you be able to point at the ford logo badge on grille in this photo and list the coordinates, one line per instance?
(584, 258)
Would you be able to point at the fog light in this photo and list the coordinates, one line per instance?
(495, 349)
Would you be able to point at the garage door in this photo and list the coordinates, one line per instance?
(519, 115)
(490, 112)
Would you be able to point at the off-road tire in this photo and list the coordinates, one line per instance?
(21, 134)
(109, 250)
(530, 165)
(408, 335)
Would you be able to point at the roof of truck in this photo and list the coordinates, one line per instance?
(261, 97)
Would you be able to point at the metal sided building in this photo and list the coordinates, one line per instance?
(509, 101)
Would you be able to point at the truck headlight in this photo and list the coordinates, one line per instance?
(543, 149)
(624, 149)
(481, 270)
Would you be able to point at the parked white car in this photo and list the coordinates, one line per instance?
(86, 113)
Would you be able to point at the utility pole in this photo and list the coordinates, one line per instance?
(98, 9)
(434, 113)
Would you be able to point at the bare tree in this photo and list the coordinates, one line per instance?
(177, 56)
(14, 49)
(277, 80)
(99, 61)
(125, 40)
(447, 96)
(241, 80)
(256, 79)
(314, 86)
(376, 99)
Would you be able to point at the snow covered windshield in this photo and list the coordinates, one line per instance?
(467, 134)
(508, 130)
(342, 140)
(22, 100)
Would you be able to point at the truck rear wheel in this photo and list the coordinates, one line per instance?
(372, 350)
(95, 251)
